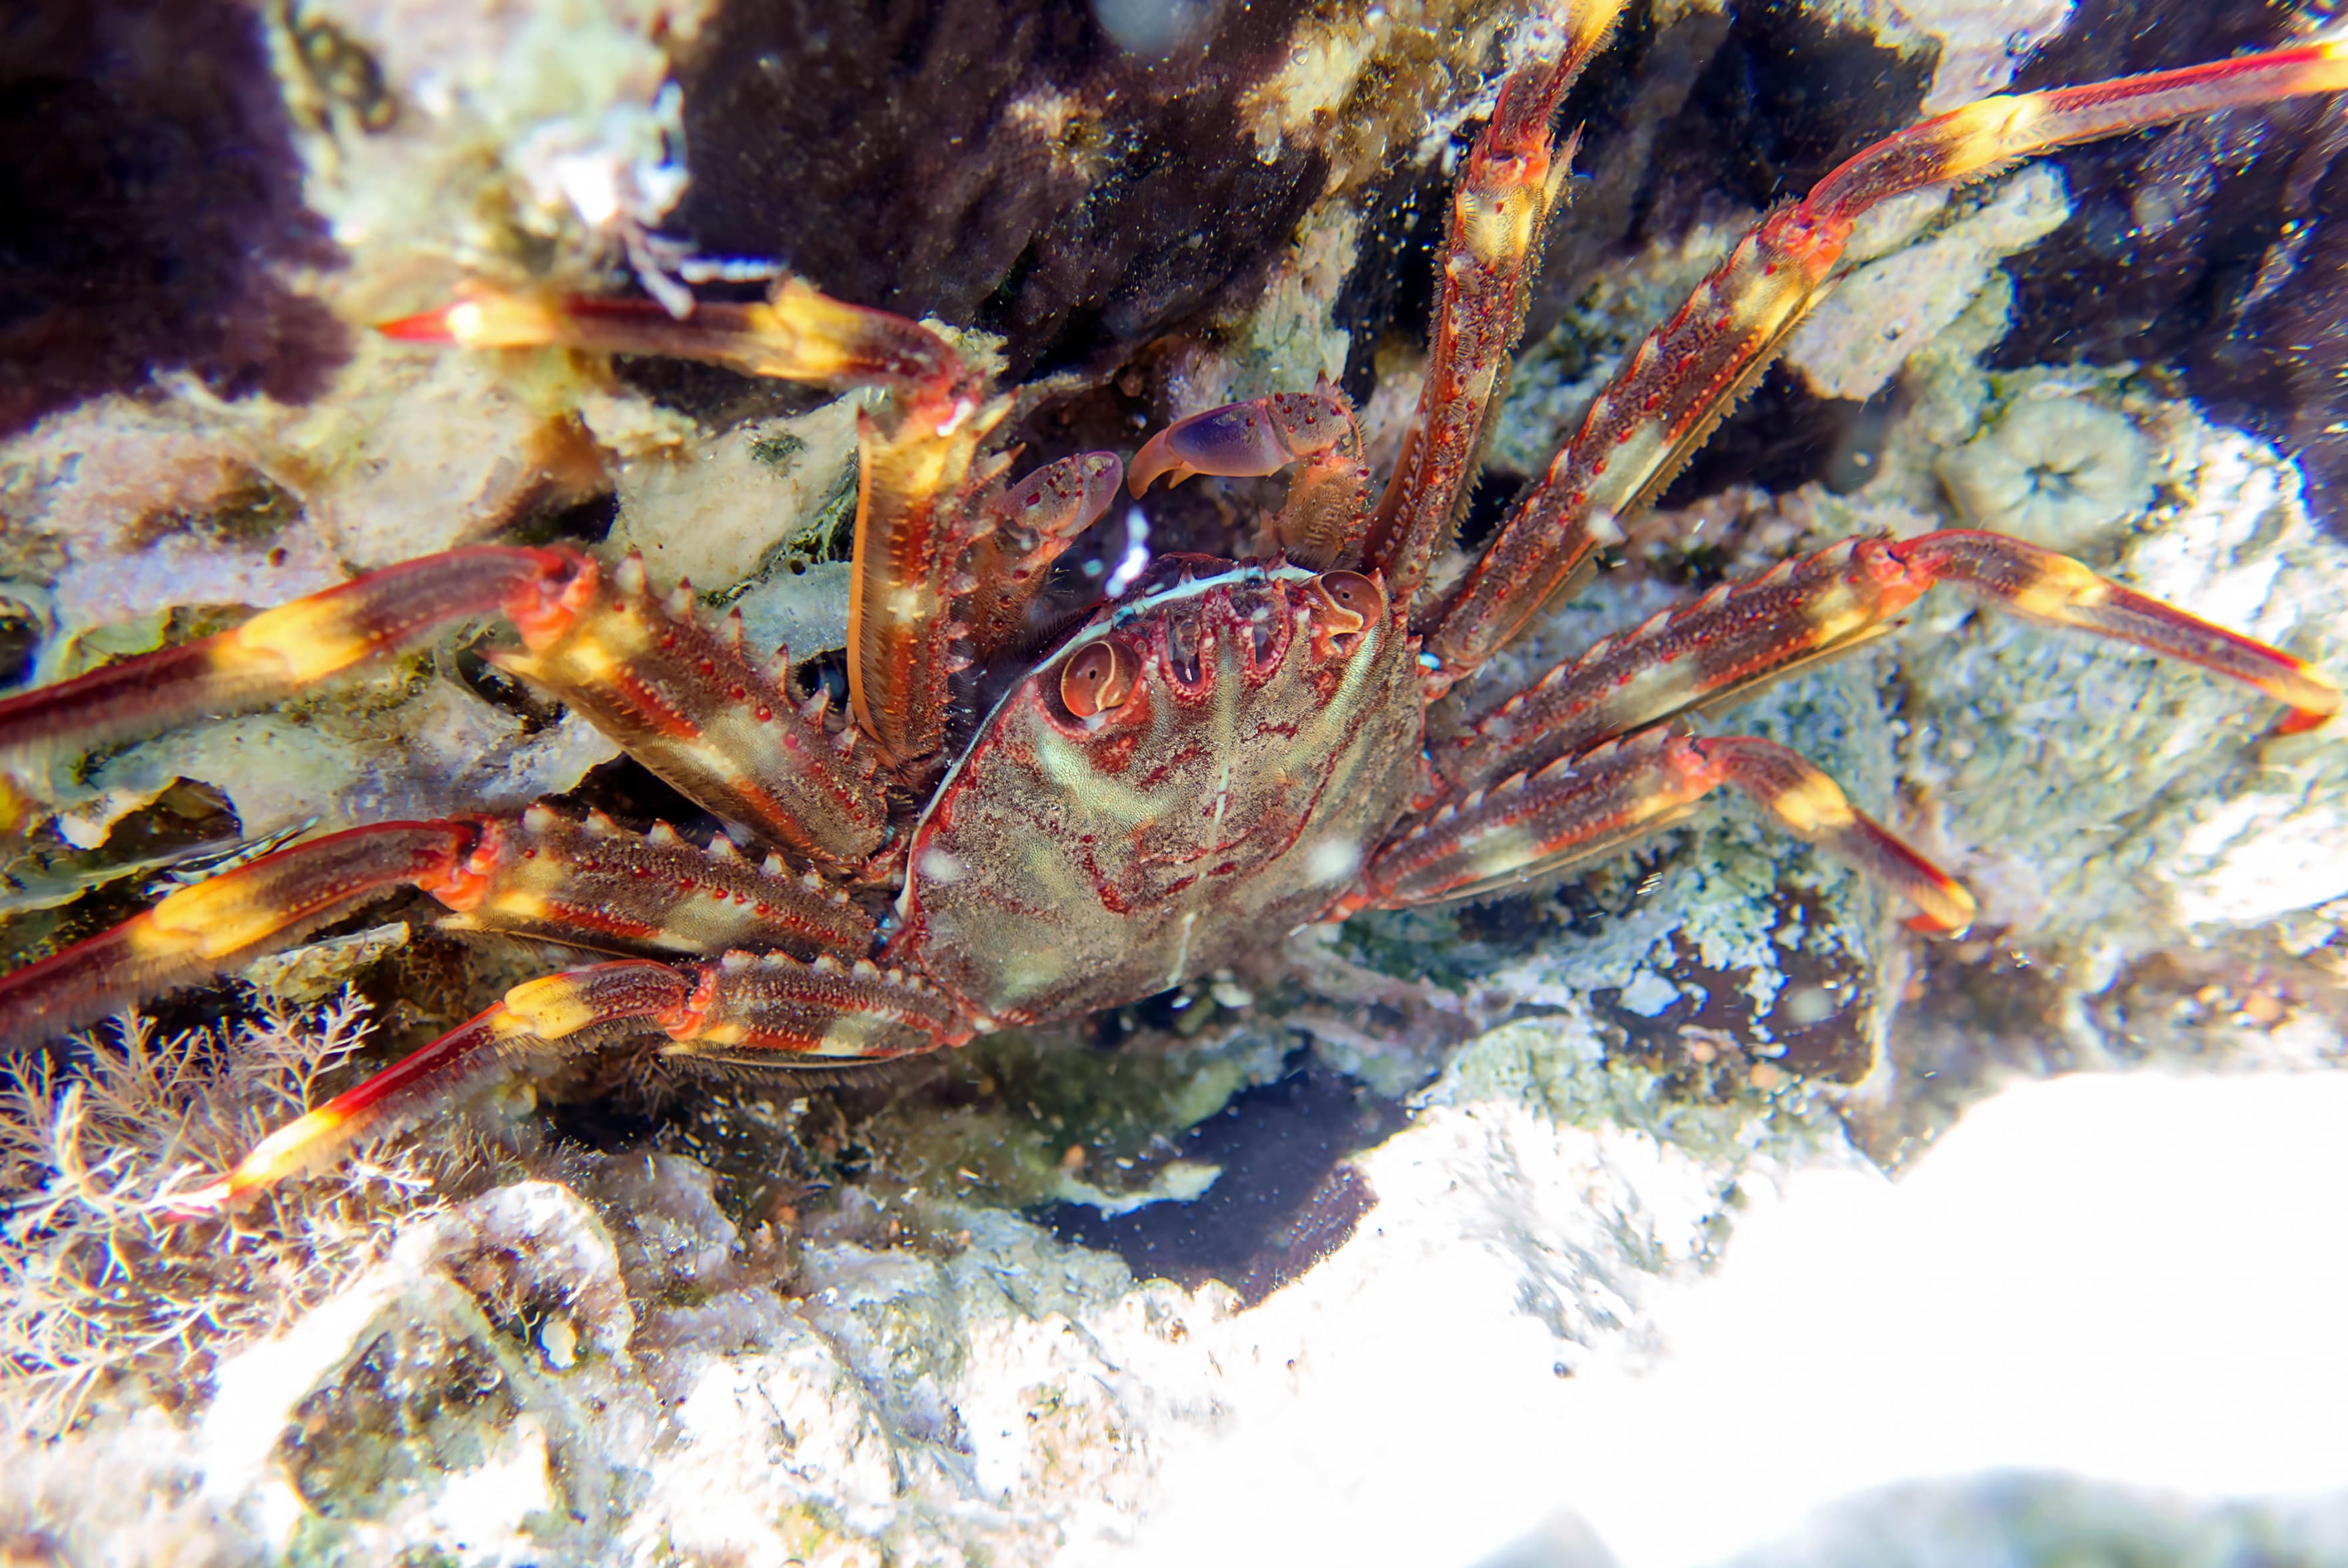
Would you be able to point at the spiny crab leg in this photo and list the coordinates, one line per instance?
(1578, 808)
(275, 655)
(1321, 525)
(1499, 214)
(915, 523)
(1678, 384)
(772, 1010)
(587, 884)
(693, 703)
(1501, 210)
(795, 334)
(229, 920)
(686, 698)
(1742, 635)
(915, 518)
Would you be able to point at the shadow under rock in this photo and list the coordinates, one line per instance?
(2216, 246)
(1285, 1199)
(150, 193)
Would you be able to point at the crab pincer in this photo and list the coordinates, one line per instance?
(1320, 524)
(1245, 440)
(1032, 522)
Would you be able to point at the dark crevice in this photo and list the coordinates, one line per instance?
(1488, 503)
(1754, 106)
(1002, 165)
(1285, 1198)
(1781, 437)
(150, 202)
(2215, 250)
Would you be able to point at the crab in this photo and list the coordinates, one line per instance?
(1225, 750)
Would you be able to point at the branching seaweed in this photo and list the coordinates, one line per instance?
(104, 1279)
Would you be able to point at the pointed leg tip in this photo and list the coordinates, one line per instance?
(217, 1201)
(425, 326)
(484, 318)
(1932, 925)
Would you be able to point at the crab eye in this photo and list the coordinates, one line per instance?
(1097, 678)
(1349, 600)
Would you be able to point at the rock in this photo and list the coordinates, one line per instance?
(400, 1412)
(1577, 1214)
(1890, 306)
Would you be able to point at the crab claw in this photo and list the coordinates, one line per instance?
(1061, 501)
(1243, 440)
(1103, 476)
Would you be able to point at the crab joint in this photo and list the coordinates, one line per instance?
(2056, 591)
(1812, 807)
(797, 334)
(258, 907)
(1099, 678)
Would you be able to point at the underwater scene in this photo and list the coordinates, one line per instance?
(1528, 783)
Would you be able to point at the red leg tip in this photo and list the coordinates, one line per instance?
(427, 326)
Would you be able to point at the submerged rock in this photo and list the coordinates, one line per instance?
(1319, 1229)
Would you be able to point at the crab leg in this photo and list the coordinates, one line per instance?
(914, 526)
(2039, 585)
(474, 1057)
(1578, 808)
(913, 521)
(692, 705)
(217, 925)
(1678, 384)
(1499, 213)
(275, 655)
(795, 334)
(686, 700)
(591, 885)
(1032, 523)
(1742, 635)
(769, 1011)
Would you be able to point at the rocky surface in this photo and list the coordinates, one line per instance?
(1487, 1236)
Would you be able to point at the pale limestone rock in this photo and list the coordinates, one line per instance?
(719, 512)
(1856, 342)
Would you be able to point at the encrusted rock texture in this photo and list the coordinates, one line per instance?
(1014, 1306)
